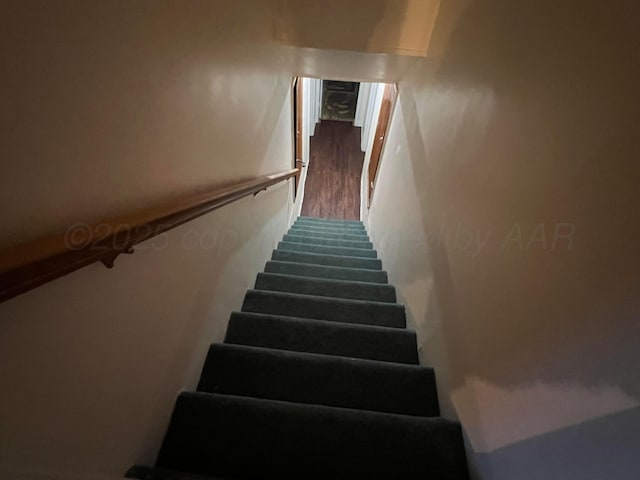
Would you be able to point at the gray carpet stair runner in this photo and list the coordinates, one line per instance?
(317, 378)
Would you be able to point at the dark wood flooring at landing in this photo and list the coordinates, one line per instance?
(332, 189)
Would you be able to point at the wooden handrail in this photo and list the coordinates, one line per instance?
(30, 265)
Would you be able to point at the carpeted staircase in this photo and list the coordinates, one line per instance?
(317, 378)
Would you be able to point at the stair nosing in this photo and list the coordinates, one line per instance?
(330, 220)
(325, 298)
(329, 323)
(378, 262)
(315, 227)
(329, 255)
(329, 280)
(329, 246)
(329, 228)
(327, 266)
(329, 357)
(311, 406)
(318, 228)
(328, 239)
(310, 234)
(404, 339)
(336, 267)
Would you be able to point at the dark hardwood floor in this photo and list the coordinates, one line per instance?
(332, 189)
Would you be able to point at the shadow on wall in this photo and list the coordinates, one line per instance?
(228, 246)
(566, 451)
(528, 123)
(93, 362)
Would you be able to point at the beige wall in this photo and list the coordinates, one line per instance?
(92, 362)
(107, 107)
(530, 118)
(401, 27)
(111, 103)
(113, 106)
(525, 132)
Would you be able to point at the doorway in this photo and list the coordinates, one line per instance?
(339, 100)
(340, 129)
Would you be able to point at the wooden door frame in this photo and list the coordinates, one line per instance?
(298, 118)
(382, 129)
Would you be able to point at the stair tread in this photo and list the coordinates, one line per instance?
(215, 434)
(328, 236)
(327, 259)
(319, 379)
(325, 308)
(327, 271)
(332, 242)
(313, 248)
(322, 336)
(358, 226)
(329, 220)
(326, 287)
(329, 229)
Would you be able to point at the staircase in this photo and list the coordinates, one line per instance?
(317, 378)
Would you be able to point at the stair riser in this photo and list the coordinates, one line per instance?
(305, 232)
(322, 271)
(329, 221)
(325, 288)
(329, 260)
(319, 380)
(335, 230)
(318, 336)
(310, 248)
(320, 308)
(319, 231)
(328, 242)
(343, 226)
(301, 232)
(240, 437)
